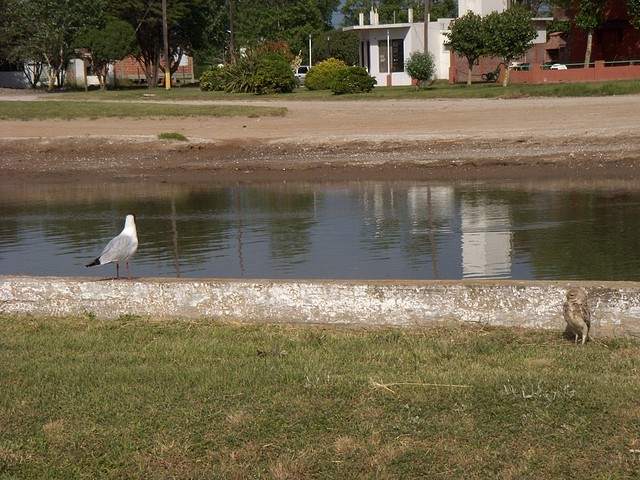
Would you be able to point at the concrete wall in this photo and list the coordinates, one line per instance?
(615, 305)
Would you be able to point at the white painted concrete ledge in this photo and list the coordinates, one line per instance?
(615, 305)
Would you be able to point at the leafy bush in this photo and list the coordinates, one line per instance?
(321, 75)
(212, 79)
(352, 80)
(238, 78)
(274, 75)
(256, 71)
(422, 67)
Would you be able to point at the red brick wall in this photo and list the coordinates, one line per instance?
(130, 69)
(617, 39)
(536, 54)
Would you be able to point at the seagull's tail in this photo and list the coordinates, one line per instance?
(94, 263)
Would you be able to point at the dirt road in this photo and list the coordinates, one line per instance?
(330, 140)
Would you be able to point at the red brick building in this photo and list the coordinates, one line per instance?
(616, 40)
(130, 69)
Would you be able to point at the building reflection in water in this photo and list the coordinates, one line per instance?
(486, 239)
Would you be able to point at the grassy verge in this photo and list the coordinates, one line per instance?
(67, 110)
(143, 399)
(440, 89)
(120, 103)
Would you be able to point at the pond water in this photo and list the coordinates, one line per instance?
(360, 230)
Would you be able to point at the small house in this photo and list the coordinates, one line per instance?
(384, 48)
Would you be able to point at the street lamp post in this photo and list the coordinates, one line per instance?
(309, 50)
(388, 60)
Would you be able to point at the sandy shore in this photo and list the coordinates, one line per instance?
(386, 139)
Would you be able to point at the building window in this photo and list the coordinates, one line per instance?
(382, 54)
(397, 55)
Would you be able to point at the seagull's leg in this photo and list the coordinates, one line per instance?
(128, 273)
(117, 270)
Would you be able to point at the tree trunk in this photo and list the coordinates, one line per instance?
(587, 53)
(469, 72)
(102, 76)
(52, 79)
(505, 81)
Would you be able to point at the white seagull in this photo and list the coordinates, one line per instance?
(121, 248)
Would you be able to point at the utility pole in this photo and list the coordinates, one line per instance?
(232, 35)
(426, 25)
(165, 37)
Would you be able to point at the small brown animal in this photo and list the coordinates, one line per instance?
(577, 314)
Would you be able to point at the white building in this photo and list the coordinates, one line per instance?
(384, 48)
(482, 7)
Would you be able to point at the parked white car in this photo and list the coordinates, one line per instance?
(301, 73)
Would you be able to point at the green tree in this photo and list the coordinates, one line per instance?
(15, 45)
(44, 31)
(443, 9)
(215, 47)
(466, 37)
(289, 20)
(187, 25)
(327, 7)
(113, 42)
(590, 15)
(508, 35)
(343, 46)
(633, 7)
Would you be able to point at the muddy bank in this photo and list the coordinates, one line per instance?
(367, 140)
(101, 160)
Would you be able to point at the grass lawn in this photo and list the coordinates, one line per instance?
(68, 109)
(440, 89)
(133, 398)
(144, 102)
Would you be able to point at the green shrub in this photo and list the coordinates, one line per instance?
(274, 75)
(238, 77)
(422, 67)
(212, 79)
(321, 75)
(352, 80)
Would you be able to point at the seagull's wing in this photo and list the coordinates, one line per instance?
(118, 249)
